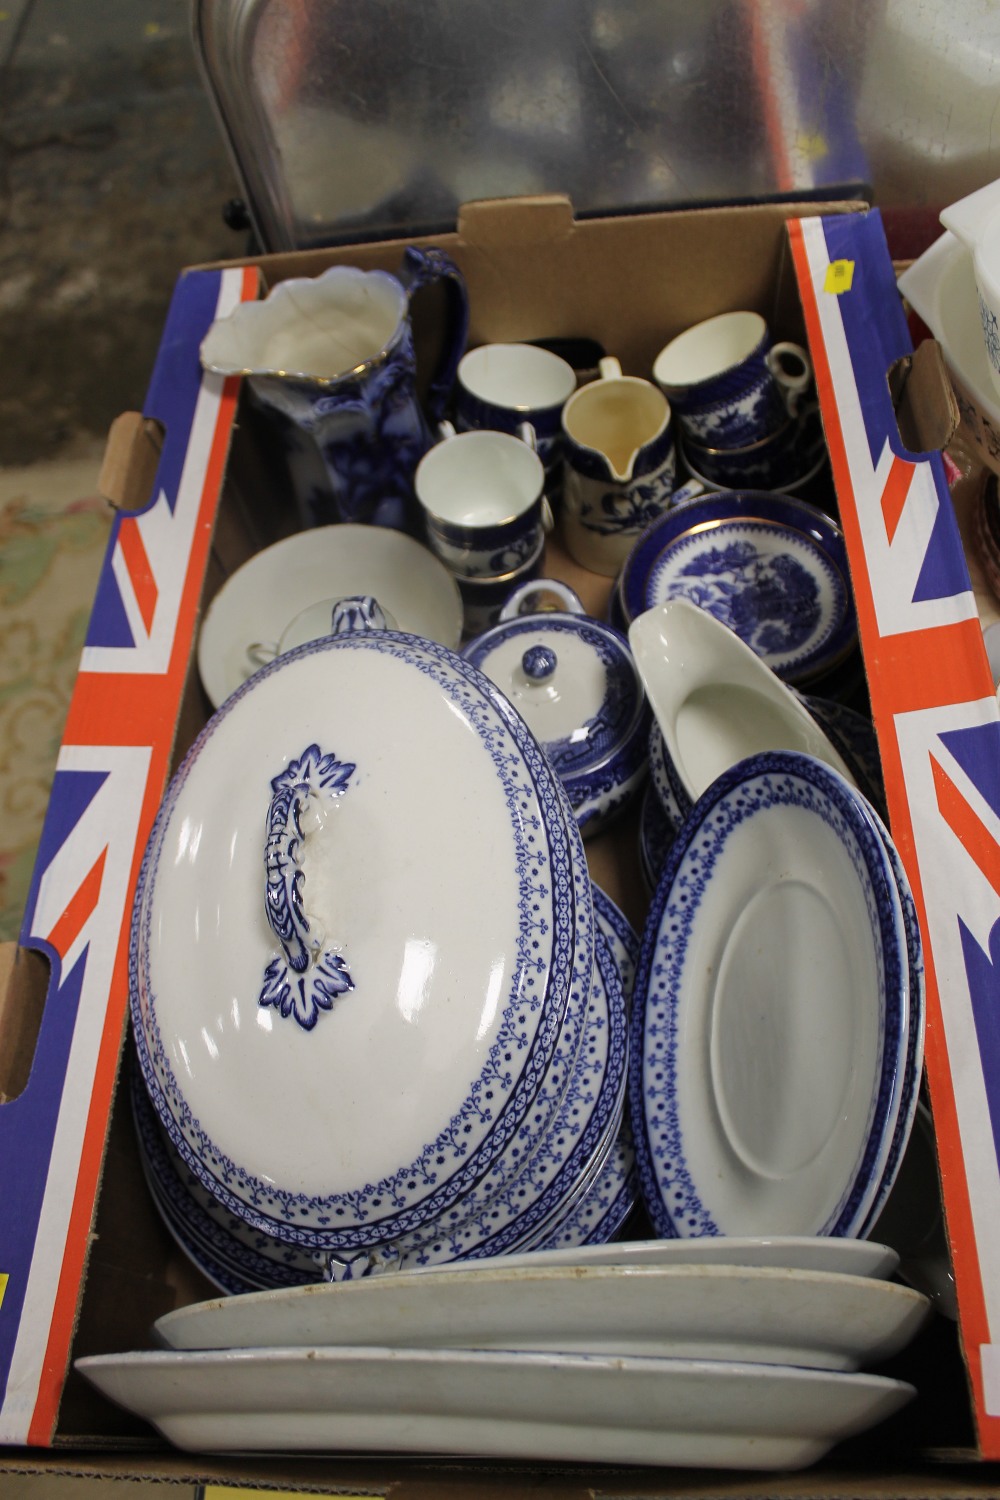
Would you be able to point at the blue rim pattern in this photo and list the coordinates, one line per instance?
(446, 1166)
(622, 937)
(748, 788)
(588, 1113)
(220, 1245)
(601, 1216)
(913, 1064)
(485, 1198)
(736, 517)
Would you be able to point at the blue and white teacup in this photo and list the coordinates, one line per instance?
(483, 499)
(483, 599)
(776, 462)
(729, 385)
(502, 386)
(620, 466)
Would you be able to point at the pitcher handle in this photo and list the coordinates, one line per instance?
(422, 268)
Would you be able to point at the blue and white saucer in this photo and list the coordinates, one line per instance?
(771, 567)
(770, 1057)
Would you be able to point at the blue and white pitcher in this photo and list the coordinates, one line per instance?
(334, 355)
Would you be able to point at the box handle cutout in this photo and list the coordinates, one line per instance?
(926, 410)
(24, 984)
(131, 459)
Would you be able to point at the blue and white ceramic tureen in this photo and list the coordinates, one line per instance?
(575, 682)
(344, 1011)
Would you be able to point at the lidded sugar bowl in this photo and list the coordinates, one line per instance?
(354, 938)
(576, 684)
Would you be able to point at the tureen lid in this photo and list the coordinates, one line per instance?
(576, 684)
(354, 938)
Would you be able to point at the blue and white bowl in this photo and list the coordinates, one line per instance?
(771, 1059)
(772, 568)
(293, 970)
(574, 681)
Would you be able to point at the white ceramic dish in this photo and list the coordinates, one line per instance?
(770, 1024)
(280, 586)
(808, 1318)
(578, 1408)
(714, 699)
(345, 807)
(621, 937)
(940, 286)
(912, 1068)
(845, 1257)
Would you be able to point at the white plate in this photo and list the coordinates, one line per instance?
(262, 598)
(770, 1023)
(578, 1408)
(845, 1257)
(776, 1317)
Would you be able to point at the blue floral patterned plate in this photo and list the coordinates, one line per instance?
(771, 567)
(769, 1054)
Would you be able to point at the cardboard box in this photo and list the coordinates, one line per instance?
(86, 1265)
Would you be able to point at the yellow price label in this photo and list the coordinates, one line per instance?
(839, 276)
(4, 1278)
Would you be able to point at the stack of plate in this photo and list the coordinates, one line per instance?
(735, 1353)
(374, 1018)
(778, 1019)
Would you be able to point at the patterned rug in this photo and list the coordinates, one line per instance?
(53, 532)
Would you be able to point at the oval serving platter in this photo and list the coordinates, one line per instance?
(769, 1046)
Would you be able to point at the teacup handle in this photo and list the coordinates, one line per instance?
(260, 653)
(526, 433)
(609, 368)
(423, 268)
(791, 367)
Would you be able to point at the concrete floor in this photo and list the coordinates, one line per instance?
(113, 176)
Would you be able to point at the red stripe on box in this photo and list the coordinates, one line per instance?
(897, 487)
(140, 573)
(69, 926)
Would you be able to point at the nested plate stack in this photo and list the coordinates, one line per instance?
(734, 1353)
(360, 1040)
